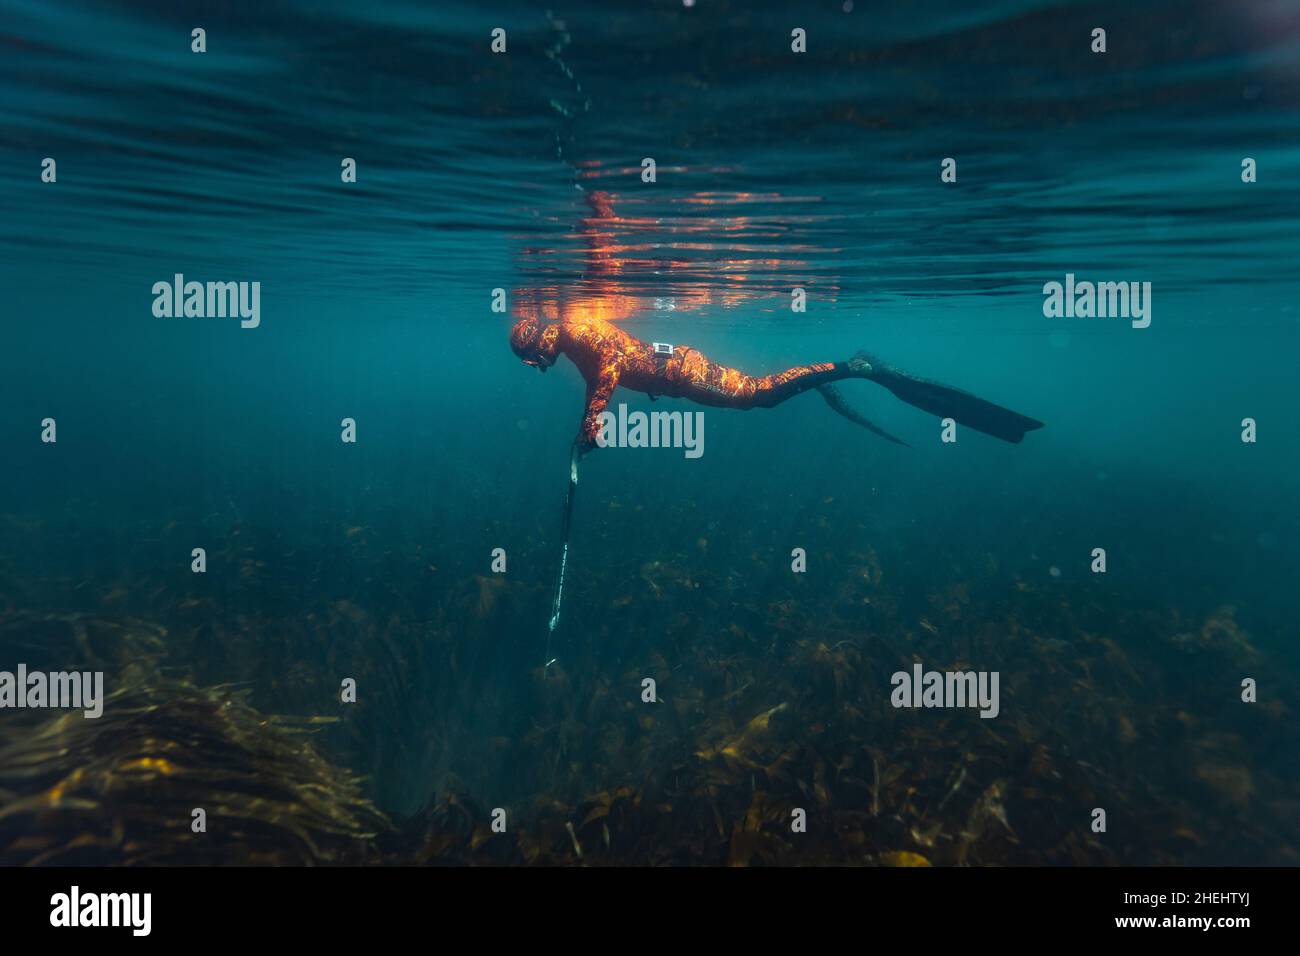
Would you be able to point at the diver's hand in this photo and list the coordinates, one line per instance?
(588, 437)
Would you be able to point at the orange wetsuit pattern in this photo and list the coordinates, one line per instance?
(609, 357)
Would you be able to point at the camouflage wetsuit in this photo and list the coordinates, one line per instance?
(609, 357)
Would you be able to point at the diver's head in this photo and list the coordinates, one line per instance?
(529, 344)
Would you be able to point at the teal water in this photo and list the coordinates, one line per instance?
(521, 171)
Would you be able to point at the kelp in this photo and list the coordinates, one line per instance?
(123, 788)
(770, 739)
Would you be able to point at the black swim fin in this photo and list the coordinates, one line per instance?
(948, 402)
(836, 401)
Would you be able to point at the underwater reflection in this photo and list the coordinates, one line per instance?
(713, 249)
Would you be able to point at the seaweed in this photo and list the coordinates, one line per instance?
(771, 706)
(122, 788)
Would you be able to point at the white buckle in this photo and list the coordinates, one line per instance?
(663, 348)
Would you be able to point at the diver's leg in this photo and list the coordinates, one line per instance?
(772, 390)
(836, 401)
(946, 401)
(712, 384)
(775, 389)
(696, 378)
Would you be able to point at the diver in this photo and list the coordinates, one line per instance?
(609, 357)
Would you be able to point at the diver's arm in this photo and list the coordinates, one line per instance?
(599, 392)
